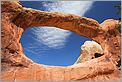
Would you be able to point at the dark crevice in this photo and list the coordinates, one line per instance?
(96, 55)
(18, 65)
(12, 51)
(5, 60)
(119, 63)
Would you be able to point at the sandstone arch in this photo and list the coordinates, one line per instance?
(15, 66)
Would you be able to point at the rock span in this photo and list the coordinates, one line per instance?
(16, 66)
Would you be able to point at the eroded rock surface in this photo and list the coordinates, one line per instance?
(90, 50)
(16, 66)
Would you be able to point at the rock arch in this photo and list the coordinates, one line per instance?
(16, 66)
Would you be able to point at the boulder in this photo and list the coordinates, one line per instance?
(90, 50)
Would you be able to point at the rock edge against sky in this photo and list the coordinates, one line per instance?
(16, 66)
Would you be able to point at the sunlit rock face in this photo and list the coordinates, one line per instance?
(89, 50)
(16, 66)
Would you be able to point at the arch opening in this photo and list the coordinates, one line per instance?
(52, 46)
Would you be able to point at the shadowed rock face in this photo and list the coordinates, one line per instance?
(16, 66)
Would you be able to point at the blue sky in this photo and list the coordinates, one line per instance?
(53, 46)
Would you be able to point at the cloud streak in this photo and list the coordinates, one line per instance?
(53, 37)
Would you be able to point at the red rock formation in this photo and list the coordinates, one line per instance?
(16, 66)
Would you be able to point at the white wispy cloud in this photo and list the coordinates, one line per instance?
(51, 37)
(54, 37)
(74, 7)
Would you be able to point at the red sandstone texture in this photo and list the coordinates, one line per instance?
(16, 66)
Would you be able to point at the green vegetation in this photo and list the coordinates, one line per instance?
(118, 7)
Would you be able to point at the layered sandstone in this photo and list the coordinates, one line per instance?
(16, 66)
